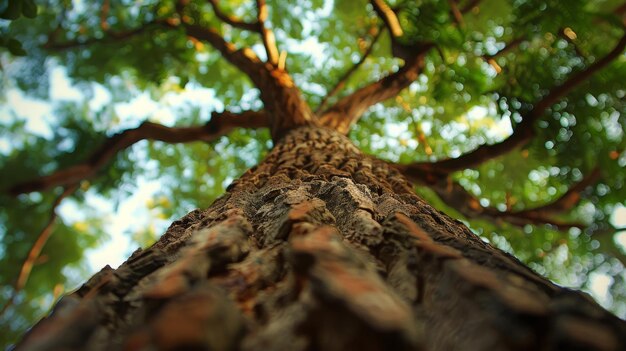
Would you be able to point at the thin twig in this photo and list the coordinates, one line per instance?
(267, 36)
(388, 16)
(233, 21)
(35, 250)
(508, 47)
(344, 77)
(110, 37)
(524, 131)
(569, 36)
(569, 199)
(269, 41)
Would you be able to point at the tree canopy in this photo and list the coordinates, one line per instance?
(508, 115)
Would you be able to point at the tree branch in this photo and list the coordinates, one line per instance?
(233, 21)
(455, 196)
(349, 109)
(35, 250)
(220, 124)
(282, 100)
(269, 41)
(456, 13)
(279, 94)
(524, 131)
(344, 78)
(244, 59)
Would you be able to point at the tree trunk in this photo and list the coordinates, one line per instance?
(323, 248)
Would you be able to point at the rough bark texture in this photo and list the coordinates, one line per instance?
(322, 248)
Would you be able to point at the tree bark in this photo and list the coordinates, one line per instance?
(320, 247)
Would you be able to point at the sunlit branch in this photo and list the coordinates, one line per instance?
(235, 22)
(524, 131)
(344, 77)
(220, 124)
(104, 13)
(35, 250)
(388, 16)
(244, 59)
(407, 52)
(269, 41)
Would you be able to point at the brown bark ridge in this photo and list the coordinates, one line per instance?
(320, 247)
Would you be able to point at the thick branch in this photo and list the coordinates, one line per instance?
(524, 132)
(344, 78)
(269, 41)
(284, 106)
(388, 16)
(35, 250)
(220, 124)
(349, 109)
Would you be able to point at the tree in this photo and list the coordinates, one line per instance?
(320, 245)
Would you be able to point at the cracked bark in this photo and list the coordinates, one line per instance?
(322, 247)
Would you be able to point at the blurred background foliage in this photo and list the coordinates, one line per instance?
(58, 104)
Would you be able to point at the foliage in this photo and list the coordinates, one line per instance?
(472, 91)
